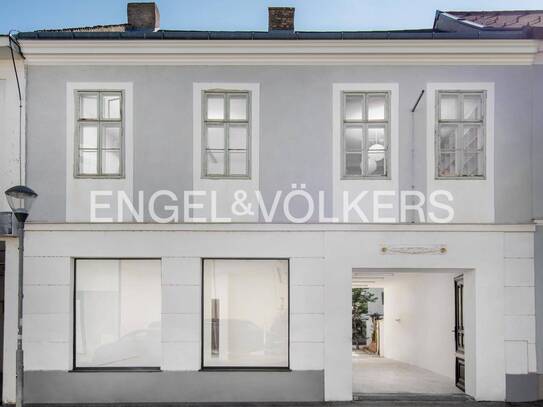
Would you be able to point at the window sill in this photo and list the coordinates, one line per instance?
(223, 178)
(245, 369)
(480, 178)
(347, 178)
(115, 369)
(104, 177)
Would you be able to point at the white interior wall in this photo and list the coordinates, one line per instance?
(419, 320)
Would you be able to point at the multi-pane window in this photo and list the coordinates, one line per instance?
(226, 135)
(245, 311)
(460, 134)
(365, 138)
(99, 134)
(117, 313)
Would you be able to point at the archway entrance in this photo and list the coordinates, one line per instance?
(409, 339)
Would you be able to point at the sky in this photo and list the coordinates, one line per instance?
(28, 15)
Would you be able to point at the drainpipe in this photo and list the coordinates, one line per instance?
(12, 42)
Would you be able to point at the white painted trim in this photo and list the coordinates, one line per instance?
(339, 184)
(280, 52)
(538, 60)
(226, 187)
(474, 185)
(125, 183)
(280, 227)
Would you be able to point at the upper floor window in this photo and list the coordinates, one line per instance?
(99, 134)
(460, 134)
(226, 138)
(365, 134)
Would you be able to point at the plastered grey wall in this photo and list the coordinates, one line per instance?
(538, 274)
(52, 387)
(296, 126)
(537, 150)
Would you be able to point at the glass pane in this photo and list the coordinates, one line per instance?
(111, 162)
(88, 136)
(111, 136)
(215, 107)
(237, 137)
(354, 107)
(376, 137)
(118, 313)
(245, 313)
(376, 161)
(473, 107)
(376, 107)
(473, 139)
(88, 106)
(238, 163)
(449, 107)
(353, 164)
(447, 164)
(353, 138)
(111, 106)
(215, 163)
(88, 162)
(215, 137)
(447, 137)
(238, 107)
(472, 164)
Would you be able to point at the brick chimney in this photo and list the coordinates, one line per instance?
(281, 18)
(143, 16)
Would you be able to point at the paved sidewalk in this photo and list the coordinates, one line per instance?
(413, 401)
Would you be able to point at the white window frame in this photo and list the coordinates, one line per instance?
(460, 122)
(99, 121)
(226, 122)
(78, 189)
(353, 187)
(365, 124)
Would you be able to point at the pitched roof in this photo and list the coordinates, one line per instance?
(502, 19)
(447, 25)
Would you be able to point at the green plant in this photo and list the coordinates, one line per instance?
(360, 299)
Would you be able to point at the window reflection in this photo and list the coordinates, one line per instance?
(117, 313)
(245, 313)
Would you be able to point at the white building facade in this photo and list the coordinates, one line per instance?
(130, 303)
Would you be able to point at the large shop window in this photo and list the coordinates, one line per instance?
(117, 314)
(245, 308)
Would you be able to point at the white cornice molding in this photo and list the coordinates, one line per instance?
(272, 52)
(277, 227)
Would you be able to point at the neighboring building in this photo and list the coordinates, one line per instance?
(148, 312)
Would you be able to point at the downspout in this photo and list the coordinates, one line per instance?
(412, 141)
(12, 41)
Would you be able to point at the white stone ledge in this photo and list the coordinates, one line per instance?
(279, 227)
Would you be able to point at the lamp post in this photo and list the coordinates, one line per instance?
(20, 199)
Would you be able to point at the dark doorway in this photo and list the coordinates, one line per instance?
(459, 331)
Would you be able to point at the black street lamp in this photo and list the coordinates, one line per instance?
(20, 200)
